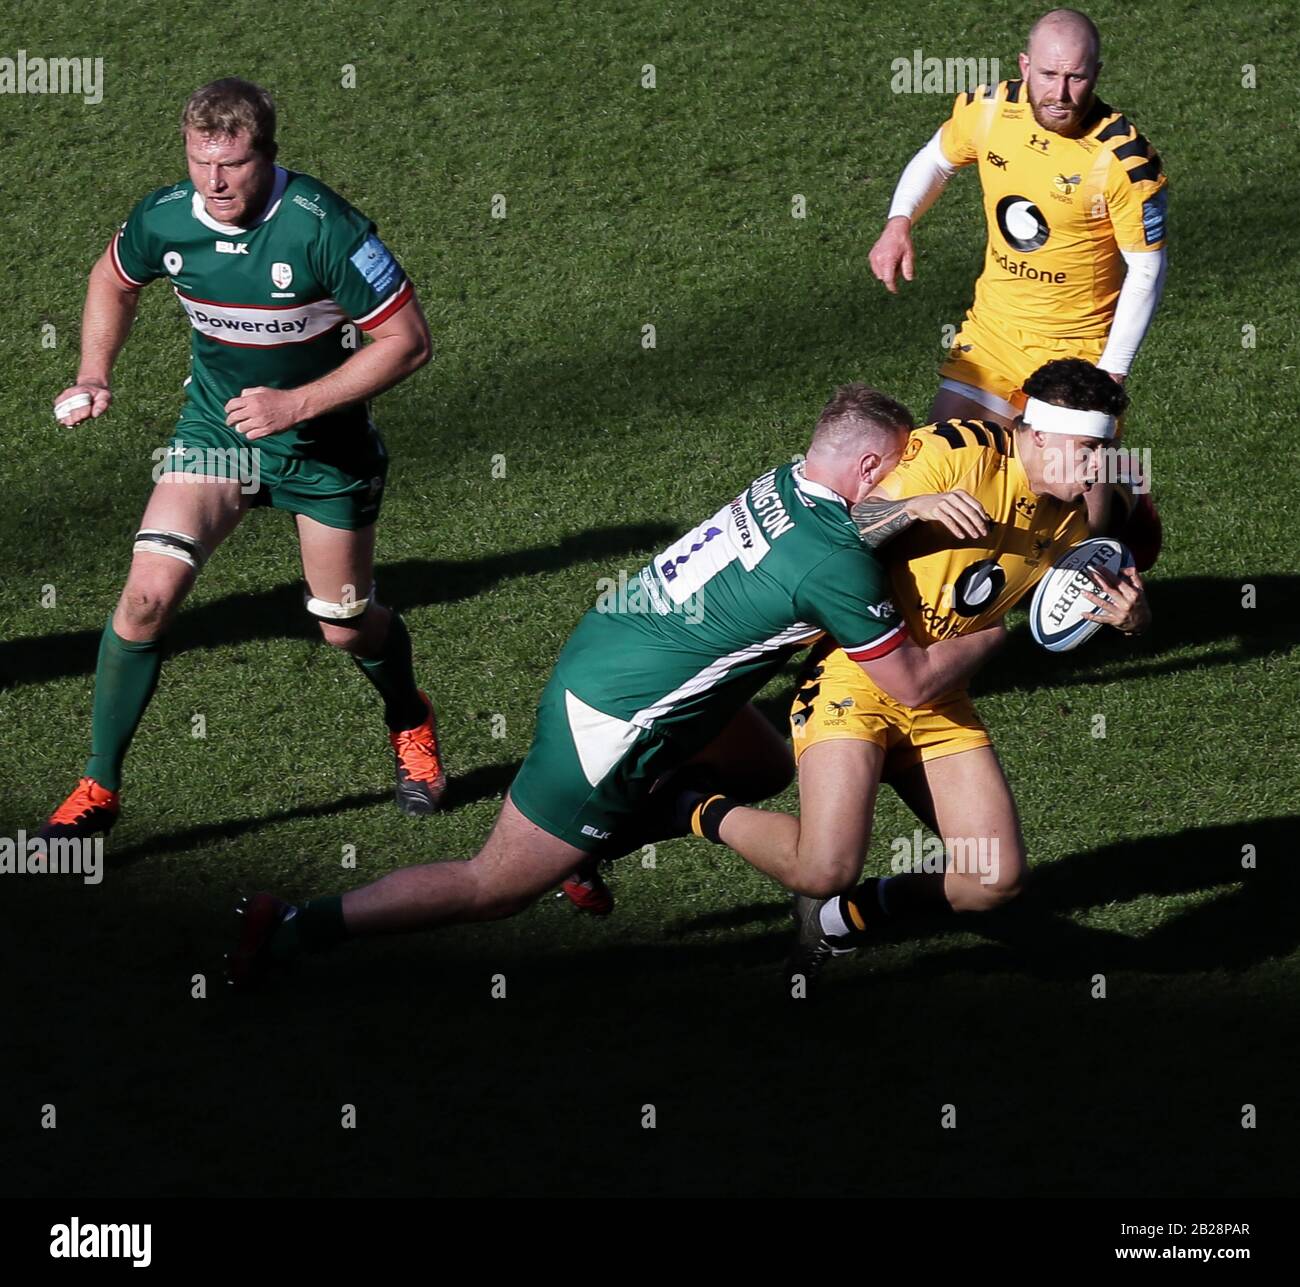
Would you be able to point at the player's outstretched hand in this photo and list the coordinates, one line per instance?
(1127, 610)
(81, 402)
(957, 510)
(892, 251)
(260, 412)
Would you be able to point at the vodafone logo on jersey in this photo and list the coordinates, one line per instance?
(1021, 224)
(978, 587)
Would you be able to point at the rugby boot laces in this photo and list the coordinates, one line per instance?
(90, 808)
(421, 779)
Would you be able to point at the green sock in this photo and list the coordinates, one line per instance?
(393, 677)
(125, 678)
(318, 925)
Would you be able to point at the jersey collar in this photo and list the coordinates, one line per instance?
(809, 488)
(200, 212)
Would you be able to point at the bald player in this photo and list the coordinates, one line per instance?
(1074, 199)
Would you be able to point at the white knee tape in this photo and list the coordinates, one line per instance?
(339, 613)
(173, 545)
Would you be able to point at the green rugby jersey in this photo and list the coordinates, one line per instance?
(710, 620)
(267, 304)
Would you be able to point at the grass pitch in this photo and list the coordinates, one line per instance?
(626, 207)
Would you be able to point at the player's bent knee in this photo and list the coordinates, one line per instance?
(826, 875)
(346, 636)
(148, 600)
(341, 624)
(1006, 886)
(156, 586)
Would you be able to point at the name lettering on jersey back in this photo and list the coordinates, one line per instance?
(767, 504)
(746, 539)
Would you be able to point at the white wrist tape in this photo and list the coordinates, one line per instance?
(1047, 418)
(69, 405)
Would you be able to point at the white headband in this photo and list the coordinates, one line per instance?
(1047, 418)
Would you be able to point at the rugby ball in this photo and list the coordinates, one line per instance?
(1056, 614)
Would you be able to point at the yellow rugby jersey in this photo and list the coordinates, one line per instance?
(944, 586)
(1059, 210)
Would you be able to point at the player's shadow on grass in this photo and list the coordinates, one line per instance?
(485, 783)
(278, 612)
(1245, 915)
(1200, 612)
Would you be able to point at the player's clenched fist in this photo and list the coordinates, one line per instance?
(81, 402)
(259, 412)
(892, 251)
(957, 510)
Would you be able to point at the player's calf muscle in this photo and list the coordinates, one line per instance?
(805, 862)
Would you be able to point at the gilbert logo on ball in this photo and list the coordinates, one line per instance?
(1056, 617)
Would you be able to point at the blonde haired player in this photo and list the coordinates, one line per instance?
(277, 274)
(1074, 199)
(1021, 490)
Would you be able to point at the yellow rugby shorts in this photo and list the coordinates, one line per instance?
(836, 700)
(990, 361)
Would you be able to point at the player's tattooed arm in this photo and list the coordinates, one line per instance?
(880, 519)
